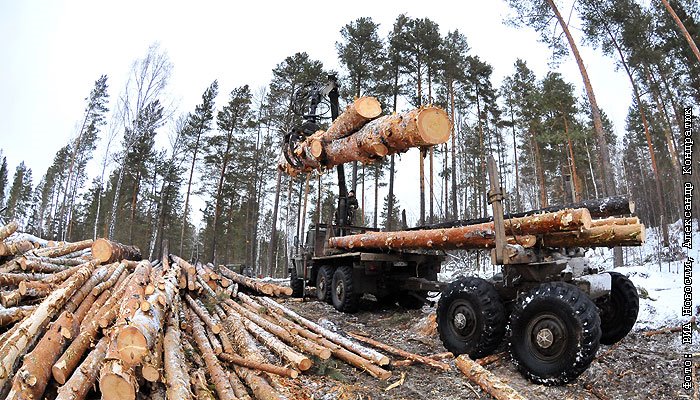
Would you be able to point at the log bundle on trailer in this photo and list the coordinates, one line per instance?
(562, 228)
(356, 136)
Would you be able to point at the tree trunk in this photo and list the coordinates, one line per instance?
(187, 196)
(486, 380)
(107, 251)
(683, 30)
(574, 174)
(603, 152)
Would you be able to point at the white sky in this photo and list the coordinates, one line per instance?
(53, 51)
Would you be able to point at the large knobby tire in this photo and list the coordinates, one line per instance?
(554, 333)
(296, 283)
(343, 295)
(323, 283)
(470, 317)
(618, 310)
(411, 302)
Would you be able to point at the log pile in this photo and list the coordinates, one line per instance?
(86, 325)
(562, 228)
(359, 135)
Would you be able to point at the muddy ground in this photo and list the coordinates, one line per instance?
(638, 367)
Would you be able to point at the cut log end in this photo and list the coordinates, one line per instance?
(150, 373)
(131, 345)
(368, 107)
(305, 364)
(102, 250)
(433, 125)
(115, 387)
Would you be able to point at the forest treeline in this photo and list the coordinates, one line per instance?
(552, 144)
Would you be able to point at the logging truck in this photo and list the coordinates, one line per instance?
(548, 303)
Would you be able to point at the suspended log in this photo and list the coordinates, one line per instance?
(14, 314)
(402, 353)
(378, 138)
(8, 230)
(355, 116)
(297, 359)
(216, 372)
(138, 337)
(31, 325)
(83, 379)
(14, 248)
(108, 251)
(254, 284)
(471, 236)
(65, 249)
(615, 221)
(600, 236)
(176, 375)
(486, 380)
(106, 306)
(288, 337)
(34, 374)
(365, 352)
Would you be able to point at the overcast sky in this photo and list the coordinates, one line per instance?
(53, 51)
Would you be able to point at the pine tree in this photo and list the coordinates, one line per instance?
(3, 180)
(199, 124)
(19, 200)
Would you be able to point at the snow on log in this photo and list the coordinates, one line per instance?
(486, 380)
(402, 353)
(8, 230)
(175, 367)
(218, 376)
(386, 135)
(470, 236)
(14, 314)
(14, 248)
(31, 325)
(136, 338)
(108, 251)
(599, 236)
(372, 355)
(65, 249)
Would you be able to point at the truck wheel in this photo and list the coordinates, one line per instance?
(410, 302)
(323, 283)
(470, 317)
(342, 294)
(296, 283)
(618, 311)
(554, 333)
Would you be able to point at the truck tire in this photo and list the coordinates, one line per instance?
(323, 283)
(470, 317)
(554, 333)
(296, 283)
(410, 302)
(344, 298)
(618, 311)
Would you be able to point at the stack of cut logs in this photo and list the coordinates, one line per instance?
(86, 317)
(565, 227)
(359, 134)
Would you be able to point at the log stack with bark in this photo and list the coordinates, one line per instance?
(555, 229)
(359, 135)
